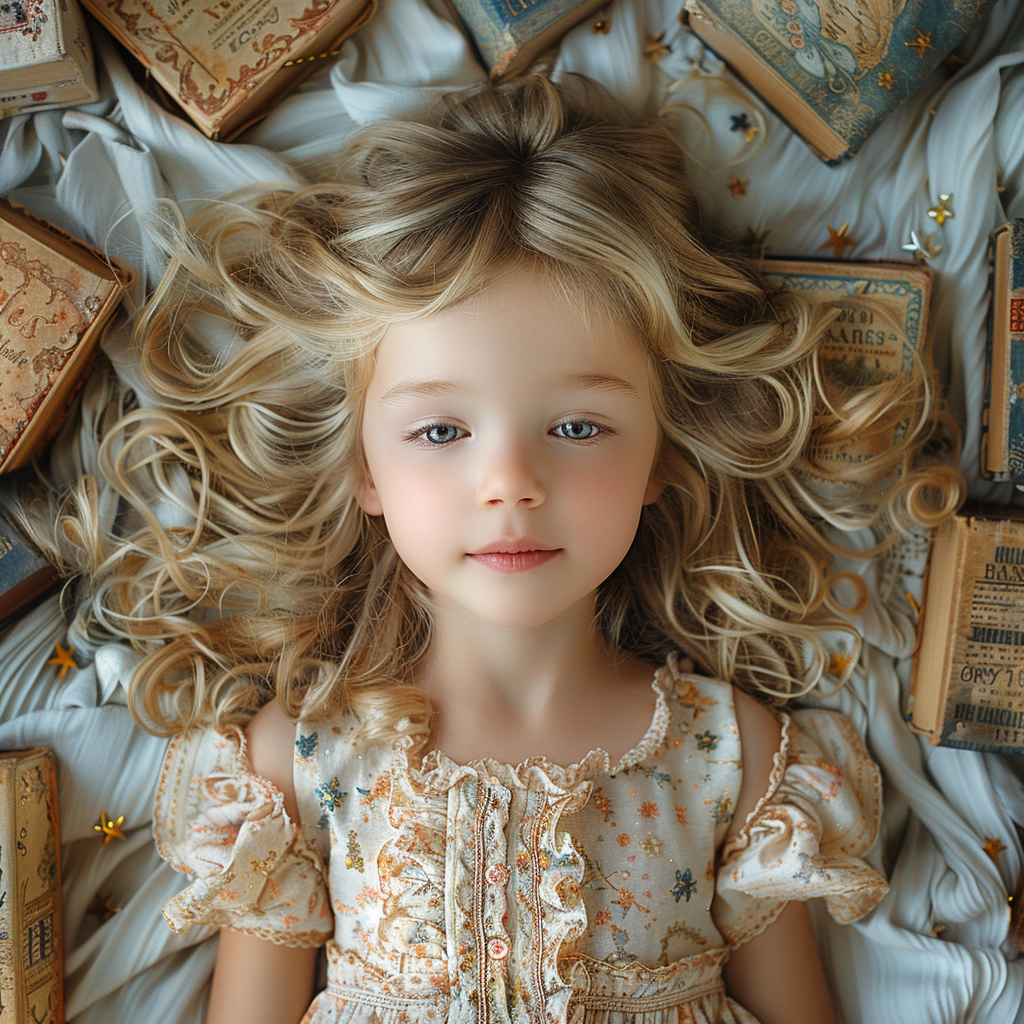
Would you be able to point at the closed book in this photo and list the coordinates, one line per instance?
(31, 954)
(45, 56)
(1002, 437)
(25, 574)
(510, 34)
(226, 62)
(968, 682)
(880, 333)
(833, 69)
(56, 296)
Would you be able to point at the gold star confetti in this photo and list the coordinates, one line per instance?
(923, 250)
(751, 133)
(994, 847)
(838, 240)
(64, 658)
(921, 43)
(837, 664)
(944, 211)
(885, 79)
(654, 48)
(108, 828)
(753, 242)
(738, 187)
(102, 909)
(604, 26)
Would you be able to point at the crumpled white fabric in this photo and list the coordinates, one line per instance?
(934, 950)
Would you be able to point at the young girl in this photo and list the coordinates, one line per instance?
(493, 452)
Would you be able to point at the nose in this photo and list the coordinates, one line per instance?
(509, 477)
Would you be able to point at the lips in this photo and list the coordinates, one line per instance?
(514, 555)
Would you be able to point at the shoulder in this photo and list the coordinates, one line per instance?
(270, 744)
(760, 740)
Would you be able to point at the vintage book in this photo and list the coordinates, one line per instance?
(833, 71)
(31, 954)
(1002, 436)
(56, 296)
(226, 62)
(25, 574)
(45, 56)
(968, 684)
(510, 34)
(881, 328)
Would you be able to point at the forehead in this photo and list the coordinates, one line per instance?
(523, 326)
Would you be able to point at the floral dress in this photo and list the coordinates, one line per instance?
(597, 893)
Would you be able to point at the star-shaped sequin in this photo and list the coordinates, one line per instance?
(886, 80)
(108, 828)
(738, 187)
(838, 240)
(837, 664)
(944, 210)
(64, 658)
(922, 42)
(923, 249)
(994, 847)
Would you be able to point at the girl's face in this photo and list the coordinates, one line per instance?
(510, 450)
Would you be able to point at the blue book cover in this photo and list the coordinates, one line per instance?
(509, 34)
(1002, 442)
(833, 69)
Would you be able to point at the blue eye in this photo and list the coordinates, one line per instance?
(441, 433)
(577, 430)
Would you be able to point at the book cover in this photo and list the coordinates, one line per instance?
(56, 296)
(968, 683)
(225, 62)
(881, 325)
(31, 953)
(45, 56)
(510, 34)
(25, 574)
(1002, 437)
(833, 69)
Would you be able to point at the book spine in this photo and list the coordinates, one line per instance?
(31, 983)
(989, 445)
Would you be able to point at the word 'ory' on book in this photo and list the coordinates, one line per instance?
(833, 71)
(880, 333)
(968, 682)
(226, 62)
(1002, 437)
(31, 955)
(45, 56)
(57, 295)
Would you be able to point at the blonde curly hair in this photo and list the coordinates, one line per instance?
(253, 570)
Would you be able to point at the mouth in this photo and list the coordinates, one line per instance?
(511, 556)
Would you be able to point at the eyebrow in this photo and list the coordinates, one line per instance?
(578, 381)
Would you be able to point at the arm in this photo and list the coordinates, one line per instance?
(777, 975)
(256, 980)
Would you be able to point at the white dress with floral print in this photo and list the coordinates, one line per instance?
(465, 894)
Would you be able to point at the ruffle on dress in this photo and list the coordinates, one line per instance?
(217, 820)
(806, 834)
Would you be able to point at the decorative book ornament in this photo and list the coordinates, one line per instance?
(57, 294)
(968, 684)
(833, 71)
(31, 955)
(510, 35)
(45, 56)
(1002, 437)
(225, 63)
(881, 333)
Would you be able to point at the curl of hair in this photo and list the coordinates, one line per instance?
(252, 569)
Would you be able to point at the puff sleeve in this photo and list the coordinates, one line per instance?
(806, 834)
(216, 820)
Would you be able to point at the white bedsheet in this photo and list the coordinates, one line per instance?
(935, 950)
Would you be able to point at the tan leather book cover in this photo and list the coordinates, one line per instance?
(31, 941)
(225, 62)
(56, 296)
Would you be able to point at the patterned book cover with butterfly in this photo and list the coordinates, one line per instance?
(1002, 441)
(834, 69)
(31, 957)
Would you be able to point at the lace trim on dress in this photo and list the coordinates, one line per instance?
(439, 773)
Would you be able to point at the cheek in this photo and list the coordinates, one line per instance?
(417, 507)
